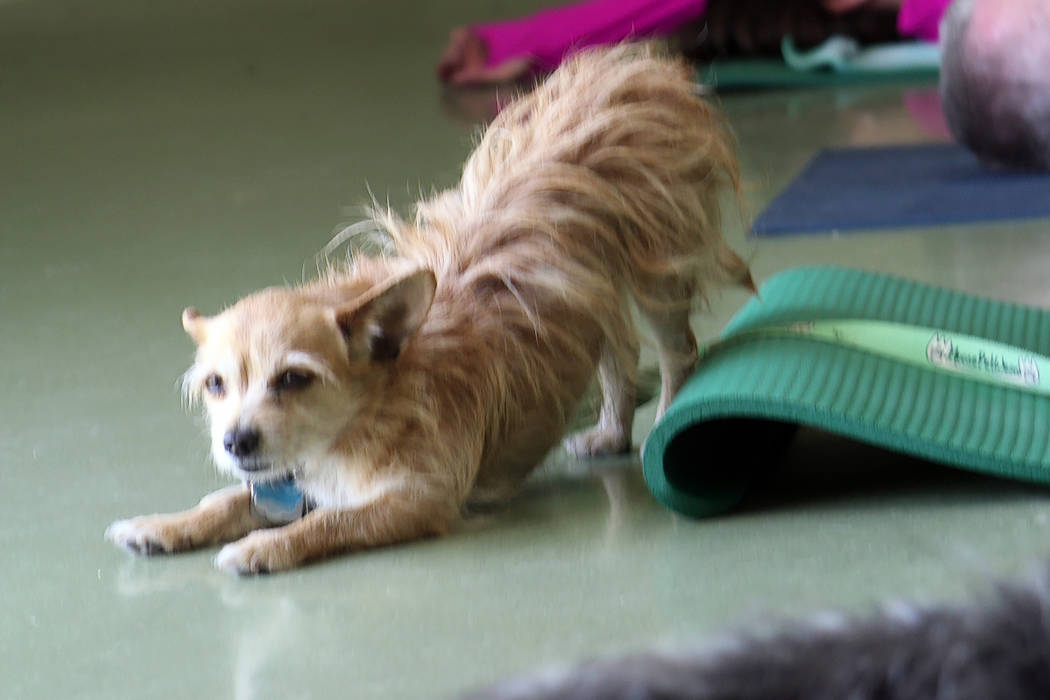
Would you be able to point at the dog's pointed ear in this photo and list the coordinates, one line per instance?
(195, 324)
(392, 315)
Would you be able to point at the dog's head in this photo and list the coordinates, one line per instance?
(284, 372)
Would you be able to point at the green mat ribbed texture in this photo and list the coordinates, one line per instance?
(692, 467)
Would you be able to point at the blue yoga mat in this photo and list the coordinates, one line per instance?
(864, 188)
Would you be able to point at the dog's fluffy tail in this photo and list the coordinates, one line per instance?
(607, 177)
(618, 143)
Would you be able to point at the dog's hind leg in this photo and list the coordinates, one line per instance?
(612, 434)
(676, 348)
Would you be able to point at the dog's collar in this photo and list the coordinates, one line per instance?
(278, 502)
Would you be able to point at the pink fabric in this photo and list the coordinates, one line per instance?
(549, 36)
(921, 18)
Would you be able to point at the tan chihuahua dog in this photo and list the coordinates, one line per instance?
(399, 388)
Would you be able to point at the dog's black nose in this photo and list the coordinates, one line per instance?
(241, 442)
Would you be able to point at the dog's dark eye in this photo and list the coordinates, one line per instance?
(214, 385)
(292, 380)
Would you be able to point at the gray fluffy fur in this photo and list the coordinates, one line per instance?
(996, 96)
(997, 648)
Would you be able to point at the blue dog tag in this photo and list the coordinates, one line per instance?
(278, 502)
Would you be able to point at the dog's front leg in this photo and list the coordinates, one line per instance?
(392, 518)
(221, 516)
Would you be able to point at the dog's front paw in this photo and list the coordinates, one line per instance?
(142, 535)
(260, 552)
(598, 442)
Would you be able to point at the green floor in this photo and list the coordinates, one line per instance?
(170, 153)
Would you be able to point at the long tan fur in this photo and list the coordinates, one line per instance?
(446, 371)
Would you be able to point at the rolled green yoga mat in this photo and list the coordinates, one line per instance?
(927, 371)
